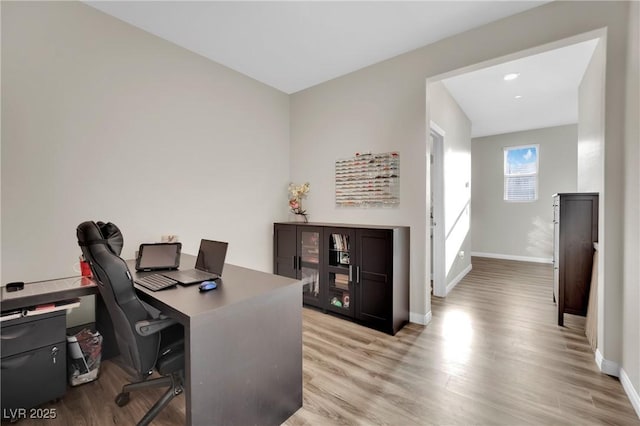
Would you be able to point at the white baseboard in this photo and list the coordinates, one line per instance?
(419, 318)
(607, 367)
(454, 282)
(510, 257)
(632, 393)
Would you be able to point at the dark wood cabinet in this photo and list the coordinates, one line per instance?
(575, 218)
(339, 276)
(298, 253)
(363, 271)
(285, 251)
(374, 277)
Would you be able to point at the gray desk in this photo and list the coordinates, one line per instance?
(243, 341)
(243, 345)
(42, 292)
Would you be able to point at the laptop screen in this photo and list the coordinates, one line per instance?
(211, 256)
(158, 256)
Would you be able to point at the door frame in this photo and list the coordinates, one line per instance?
(437, 188)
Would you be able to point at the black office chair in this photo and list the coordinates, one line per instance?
(141, 338)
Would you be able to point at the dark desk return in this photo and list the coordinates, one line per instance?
(33, 352)
(243, 343)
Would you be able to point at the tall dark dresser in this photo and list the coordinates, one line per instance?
(575, 229)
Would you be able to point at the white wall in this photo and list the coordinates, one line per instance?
(382, 107)
(590, 170)
(631, 289)
(522, 231)
(591, 148)
(448, 116)
(85, 97)
(365, 111)
(592, 164)
(103, 121)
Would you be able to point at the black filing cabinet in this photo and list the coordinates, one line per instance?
(575, 219)
(34, 357)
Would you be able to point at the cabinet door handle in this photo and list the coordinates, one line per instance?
(299, 262)
(358, 274)
(294, 263)
(350, 273)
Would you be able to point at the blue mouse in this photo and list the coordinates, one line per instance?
(208, 285)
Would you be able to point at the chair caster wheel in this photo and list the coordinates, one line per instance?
(122, 399)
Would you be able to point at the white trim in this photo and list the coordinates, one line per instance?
(454, 282)
(498, 60)
(511, 257)
(439, 130)
(607, 367)
(419, 318)
(632, 393)
(438, 209)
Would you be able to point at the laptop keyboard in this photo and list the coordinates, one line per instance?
(156, 282)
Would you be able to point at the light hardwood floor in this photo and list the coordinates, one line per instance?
(492, 354)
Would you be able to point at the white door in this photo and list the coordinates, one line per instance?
(436, 212)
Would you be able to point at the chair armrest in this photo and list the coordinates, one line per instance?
(155, 313)
(148, 327)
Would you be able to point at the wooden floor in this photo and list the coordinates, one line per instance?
(492, 354)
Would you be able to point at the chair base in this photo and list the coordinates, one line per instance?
(174, 382)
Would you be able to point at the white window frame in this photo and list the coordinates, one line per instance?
(535, 174)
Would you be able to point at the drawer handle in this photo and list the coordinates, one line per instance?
(21, 331)
(16, 362)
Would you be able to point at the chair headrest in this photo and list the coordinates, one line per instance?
(90, 233)
(114, 237)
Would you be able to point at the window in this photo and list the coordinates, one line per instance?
(521, 173)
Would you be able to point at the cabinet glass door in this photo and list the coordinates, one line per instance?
(340, 271)
(309, 264)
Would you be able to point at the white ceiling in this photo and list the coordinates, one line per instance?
(548, 83)
(293, 45)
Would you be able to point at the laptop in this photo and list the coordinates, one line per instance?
(209, 264)
(158, 256)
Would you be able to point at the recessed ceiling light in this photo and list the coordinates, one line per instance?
(511, 76)
(518, 97)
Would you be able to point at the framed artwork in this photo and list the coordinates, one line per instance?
(368, 180)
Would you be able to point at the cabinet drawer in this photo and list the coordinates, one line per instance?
(32, 332)
(34, 377)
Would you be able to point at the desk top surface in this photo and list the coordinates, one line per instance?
(41, 292)
(237, 284)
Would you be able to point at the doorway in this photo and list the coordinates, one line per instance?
(511, 94)
(436, 211)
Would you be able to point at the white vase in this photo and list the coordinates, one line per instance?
(301, 218)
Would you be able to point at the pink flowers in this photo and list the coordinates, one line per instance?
(296, 194)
